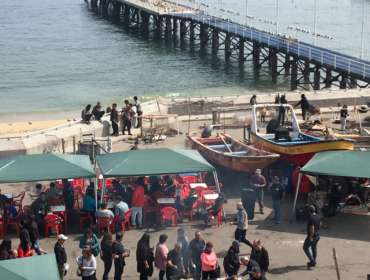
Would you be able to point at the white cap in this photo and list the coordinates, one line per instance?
(62, 236)
(258, 171)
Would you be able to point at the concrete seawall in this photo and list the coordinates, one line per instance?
(50, 139)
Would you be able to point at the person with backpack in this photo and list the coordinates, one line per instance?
(305, 105)
(231, 260)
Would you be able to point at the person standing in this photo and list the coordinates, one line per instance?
(24, 232)
(343, 117)
(114, 118)
(118, 255)
(161, 253)
(68, 195)
(249, 264)
(277, 195)
(34, 235)
(106, 253)
(97, 111)
(263, 113)
(127, 115)
(185, 248)
(281, 114)
(175, 266)
(258, 182)
(260, 255)
(118, 189)
(313, 226)
(196, 247)
(85, 114)
(209, 261)
(60, 254)
(231, 260)
(241, 223)
(137, 205)
(144, 257)
(87, 263)
(90, 241)
(305, 105)
(139, 111)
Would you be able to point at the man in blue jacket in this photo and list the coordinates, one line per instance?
(305, 105)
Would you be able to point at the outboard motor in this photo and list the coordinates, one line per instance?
(282, 133)
(207, 131)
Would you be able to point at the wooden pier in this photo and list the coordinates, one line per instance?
(310, 67)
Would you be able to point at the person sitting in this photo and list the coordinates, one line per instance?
(221, 199)
(155, 186)
(169, 186)
(90, 241)
(136, 146)
(24, 249)
(85, 114)
(104, 212)
(13, 254)
(188, 201)
(121, 207)
(53, 191)
(11, 211)
(40, 208)
(118, 189)
(90, 204)
(5, 247)
(38, 190)
(97, 111)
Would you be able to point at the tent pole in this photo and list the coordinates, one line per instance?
(296, 196)
(317, 181)
(103, 190)
(218, 189)
(200, 177)
(96, 180)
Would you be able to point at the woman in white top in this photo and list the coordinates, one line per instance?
(104, 212)
(87, 263)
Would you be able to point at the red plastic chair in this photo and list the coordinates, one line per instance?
(77, 196)
(87, 216)
(189, 211)
(214, 188)
(199, 191)
(127, 216)
(79, 183)
(103, 223)
(33, 197)
(206, 202)
(218, 216)
(149, 206)
(168, 213)
(8, 222)
(18, 203)
(188, 179)
(52, 220)
(55, 201)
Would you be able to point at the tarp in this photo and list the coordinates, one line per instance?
(45, 167)
(339, 163)
(33, 268)
(152, 162)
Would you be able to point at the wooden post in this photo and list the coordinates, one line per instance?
(241, 51)
(192, 33)
(274, 65)
(63, 148)
(141, 127)
(316, 78)
(151, 122)
(287, 63)
(328, 79)
(256, 56)
(215, 41)
(293, 76)
(227, 46)
(336, 263)
(74, 145)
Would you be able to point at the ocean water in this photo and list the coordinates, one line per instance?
(58, 56)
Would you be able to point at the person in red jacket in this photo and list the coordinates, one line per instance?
(137, 203)
(24, 249)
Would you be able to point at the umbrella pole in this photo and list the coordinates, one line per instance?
(296, 196)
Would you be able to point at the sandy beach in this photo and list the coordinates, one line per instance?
(21, 128)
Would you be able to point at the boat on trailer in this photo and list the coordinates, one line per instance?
(297, 148)
(231, 153)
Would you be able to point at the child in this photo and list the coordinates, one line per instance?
(263, 113)
(38, 190)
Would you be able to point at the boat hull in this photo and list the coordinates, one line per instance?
(235, 163)
(299, 154)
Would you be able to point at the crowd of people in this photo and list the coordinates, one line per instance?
(126, 114)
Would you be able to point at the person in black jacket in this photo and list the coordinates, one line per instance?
(118, 255)
(218, 203)
(187, 202)
(60, 254)
(24, 233)
(304, 106)
(106, 253)
(231, 261)
(260, 255)
(34, 235)
(144, 257)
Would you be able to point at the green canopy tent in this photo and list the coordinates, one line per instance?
(45, 167)
(336, 163)
(150, 162)
(35, 268)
